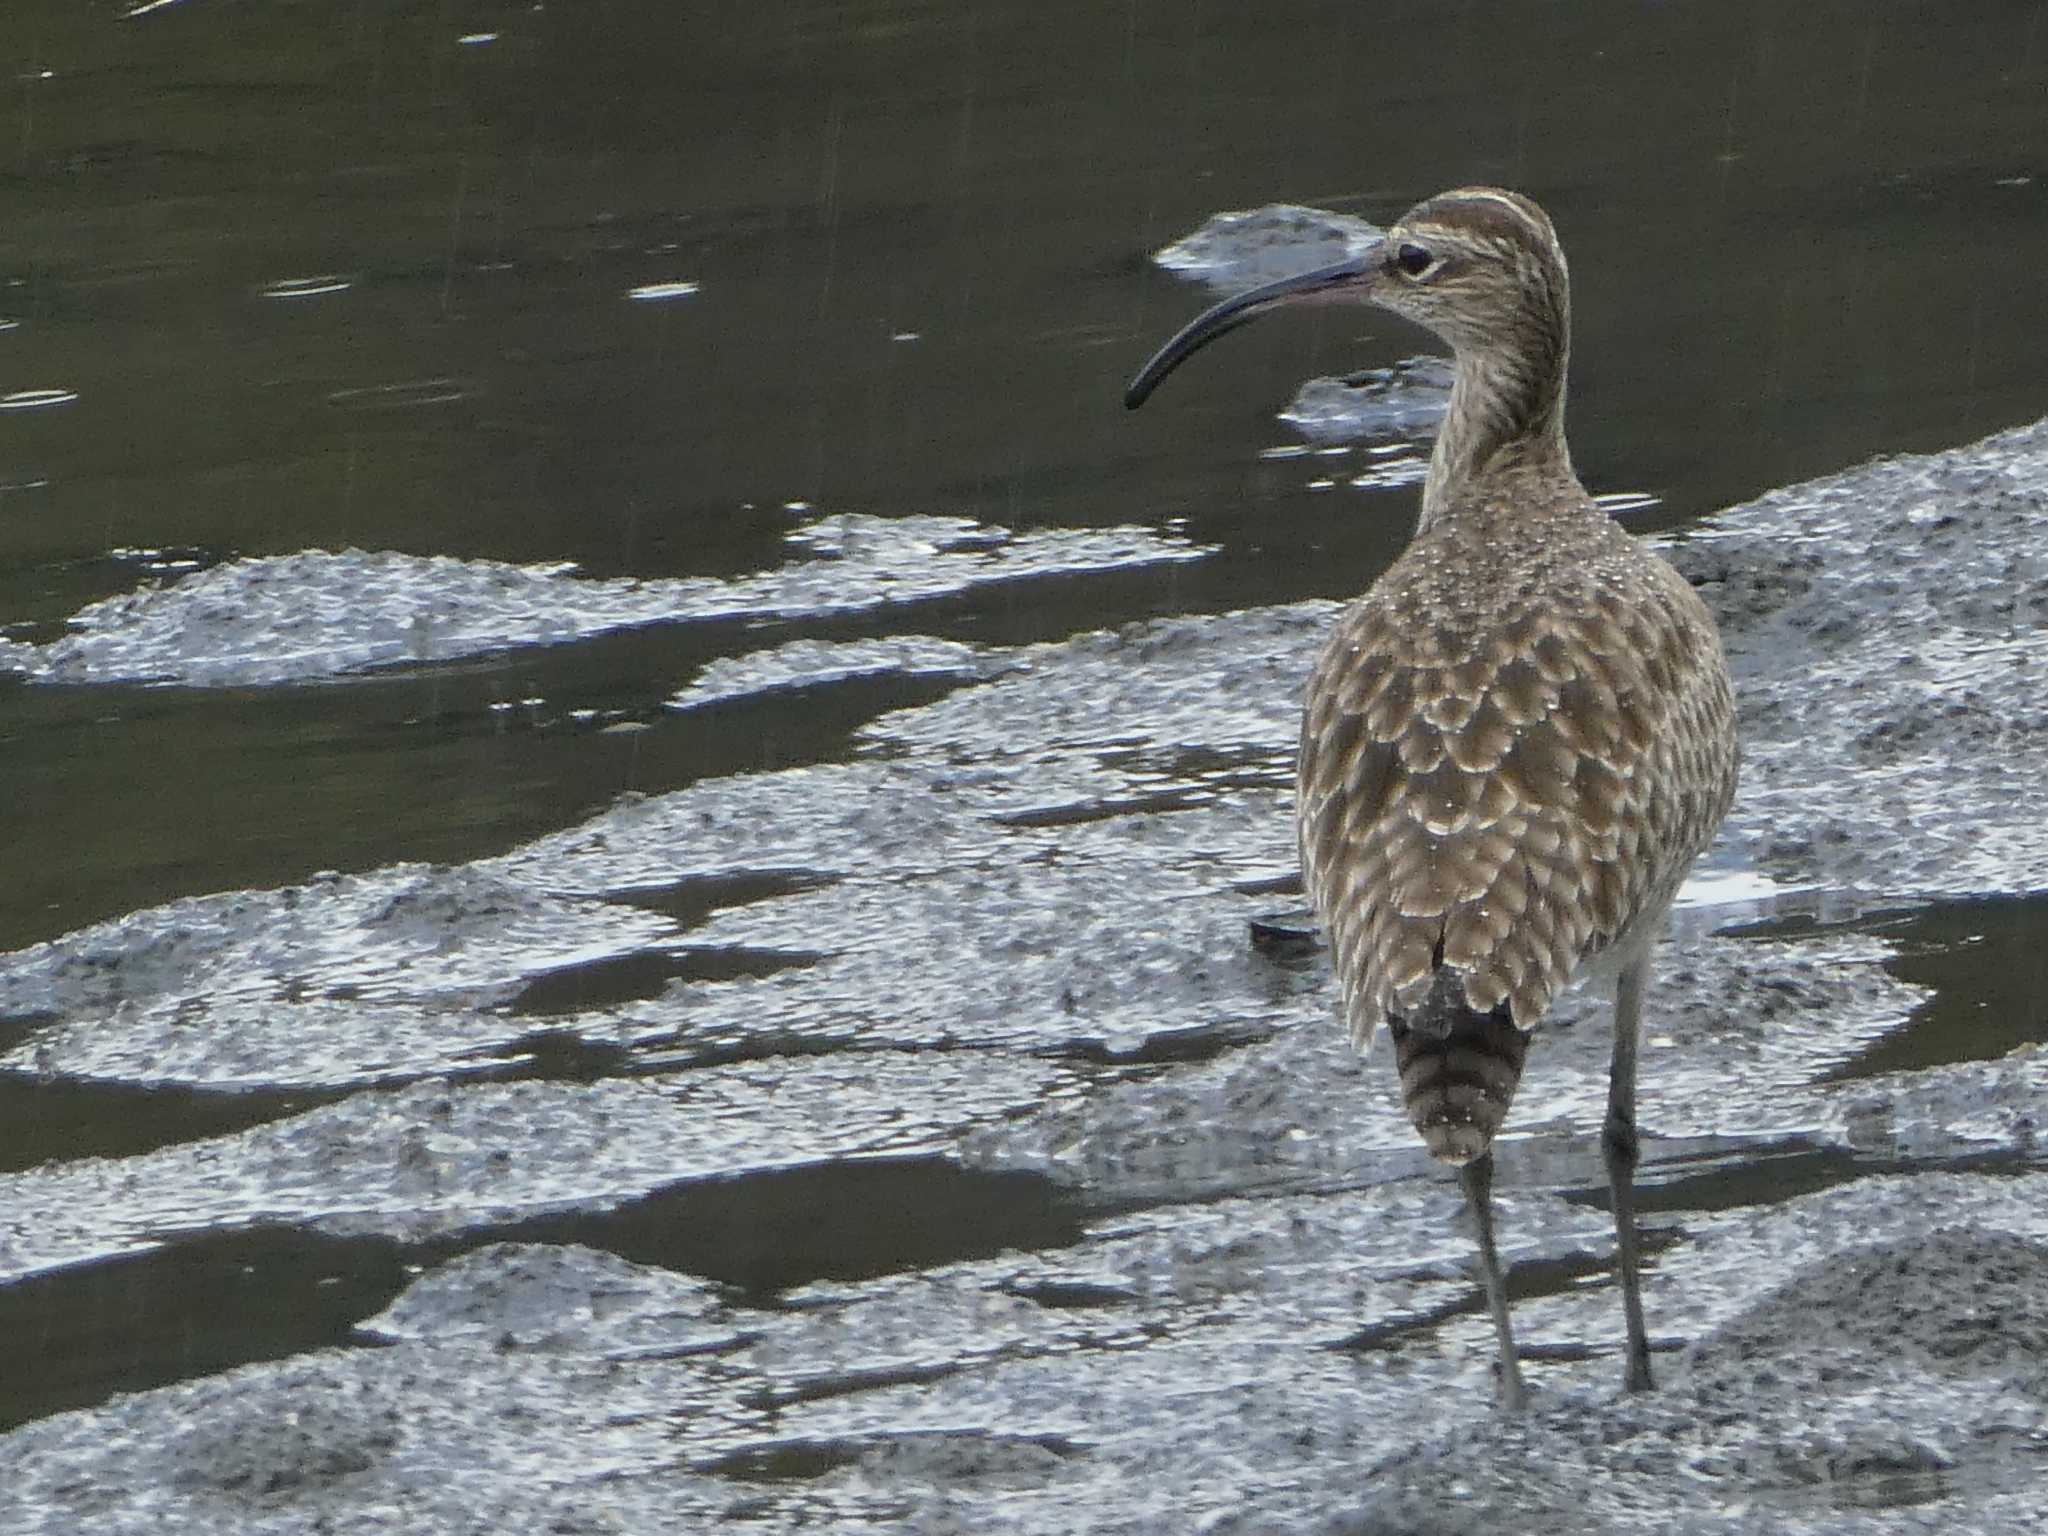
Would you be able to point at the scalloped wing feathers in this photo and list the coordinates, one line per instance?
(1514, 746)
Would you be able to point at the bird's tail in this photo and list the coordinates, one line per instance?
(1459, 1069)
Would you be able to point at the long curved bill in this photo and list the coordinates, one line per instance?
(1348, 277)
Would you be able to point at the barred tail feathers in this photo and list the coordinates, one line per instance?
(1459, 1069)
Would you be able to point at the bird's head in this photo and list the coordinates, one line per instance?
(1480, 267)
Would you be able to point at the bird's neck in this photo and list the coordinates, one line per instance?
(1506, 414)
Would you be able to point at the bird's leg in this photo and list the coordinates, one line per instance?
(1477, 1177)
(1619, 1149)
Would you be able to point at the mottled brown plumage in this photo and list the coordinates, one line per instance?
(1513, 748)
(1516, 743)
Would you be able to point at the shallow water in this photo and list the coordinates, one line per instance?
(1757, 207)
(799, 333)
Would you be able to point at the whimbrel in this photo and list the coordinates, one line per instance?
(1517, 741)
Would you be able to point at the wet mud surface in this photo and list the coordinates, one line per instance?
(921, 1142)
(319, 615)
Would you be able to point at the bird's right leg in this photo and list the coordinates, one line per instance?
(1477, 1177)
(1620, 1151)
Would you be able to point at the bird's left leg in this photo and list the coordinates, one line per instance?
(1477, 1177)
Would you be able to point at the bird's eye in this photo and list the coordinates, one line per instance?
(1413, 259)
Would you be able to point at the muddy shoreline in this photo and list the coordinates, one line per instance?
(1148, 1250)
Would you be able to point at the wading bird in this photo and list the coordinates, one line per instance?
(1517, 741)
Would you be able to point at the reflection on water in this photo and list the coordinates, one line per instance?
(654, 293)
(306, 287)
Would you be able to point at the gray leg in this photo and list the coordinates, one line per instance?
(1477, 1177)
(1619, 1148)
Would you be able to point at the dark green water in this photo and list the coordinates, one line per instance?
(1800, 236)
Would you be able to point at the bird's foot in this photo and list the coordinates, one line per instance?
(1514, 1397)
